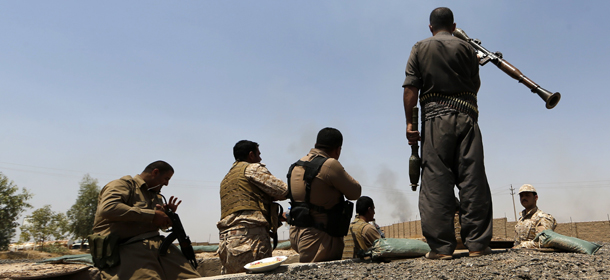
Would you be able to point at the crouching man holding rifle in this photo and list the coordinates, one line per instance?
(125, 242)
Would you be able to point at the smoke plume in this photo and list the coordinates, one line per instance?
(394, 196)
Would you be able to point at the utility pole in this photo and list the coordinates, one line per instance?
(512, 194)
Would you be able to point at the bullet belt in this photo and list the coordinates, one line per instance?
(435, 104)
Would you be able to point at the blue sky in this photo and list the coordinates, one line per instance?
(106, 88)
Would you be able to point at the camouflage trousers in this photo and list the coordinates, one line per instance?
(240, 246)
(529, 244)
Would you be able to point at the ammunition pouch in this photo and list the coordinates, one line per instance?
(339, 218)
(104, 250)
(299, 215)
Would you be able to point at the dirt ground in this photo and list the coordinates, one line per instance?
(36, 270)
(22, 265)
(36, 255)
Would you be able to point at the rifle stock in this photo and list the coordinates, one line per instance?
(551, 99)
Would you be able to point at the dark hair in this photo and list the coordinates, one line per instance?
(243, 148)
(159, 164)
(362, 205)
(441, 18)
(329, 139)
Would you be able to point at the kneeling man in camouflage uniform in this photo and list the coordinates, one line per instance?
(247, 210)
(532, 220)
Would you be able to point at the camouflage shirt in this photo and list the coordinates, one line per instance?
(260, 176)
(531, 223)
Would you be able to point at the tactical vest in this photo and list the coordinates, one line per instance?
(338, 217)
(238, 194)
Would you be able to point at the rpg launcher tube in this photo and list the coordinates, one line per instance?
(550, 99)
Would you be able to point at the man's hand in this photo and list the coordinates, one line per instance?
(161, 219)
(412, 135)
(172, 205)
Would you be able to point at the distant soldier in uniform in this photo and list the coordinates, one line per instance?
(361, 231)
(247, 193)
(532, 220)
(330, 185)
(131, 208)
(458, 226)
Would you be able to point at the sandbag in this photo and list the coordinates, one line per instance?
(391, 248)
(549, 238)
(69, 259)
(284, 245)
(204, 248)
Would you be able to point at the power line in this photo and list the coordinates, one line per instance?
(512, 194)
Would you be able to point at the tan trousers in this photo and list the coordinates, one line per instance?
(141, 260)
(314, 245)
(241, 246)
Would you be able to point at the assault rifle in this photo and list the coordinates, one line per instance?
(485, 56)
(177, 231)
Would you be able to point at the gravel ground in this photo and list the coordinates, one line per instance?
(502, 264)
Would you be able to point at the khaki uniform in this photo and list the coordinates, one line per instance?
(529, 225)
(327, 189)
(445, 70)
(458, 229)
(363, 235)
(126, 208)
(244, 234)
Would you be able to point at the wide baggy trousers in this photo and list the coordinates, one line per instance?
(452, 155)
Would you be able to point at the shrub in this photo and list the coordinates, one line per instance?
(55, 249)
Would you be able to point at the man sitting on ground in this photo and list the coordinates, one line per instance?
(361, 232)
(532, 220)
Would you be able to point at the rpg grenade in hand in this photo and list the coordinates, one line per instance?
(414, 160)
